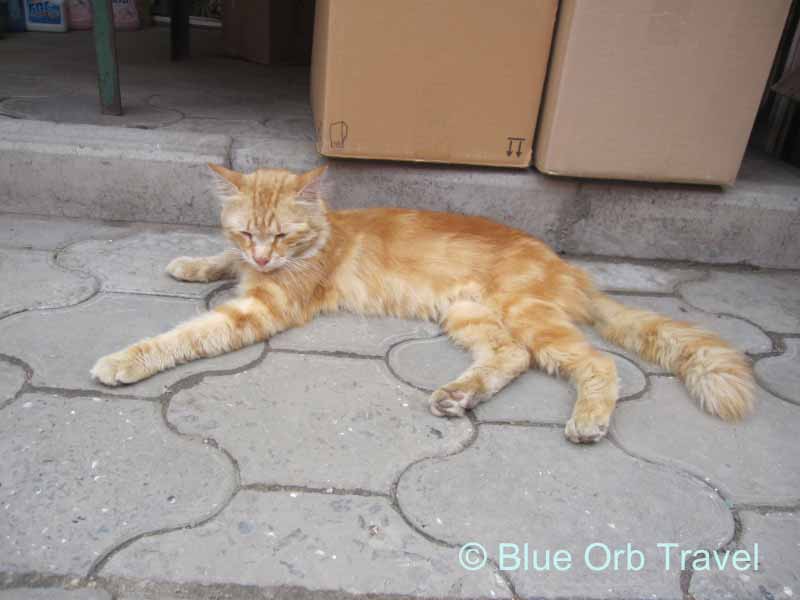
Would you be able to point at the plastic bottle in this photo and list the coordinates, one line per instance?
(46, 15)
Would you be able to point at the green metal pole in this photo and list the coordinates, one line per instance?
(105, 46)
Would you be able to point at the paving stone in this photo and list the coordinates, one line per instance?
(533, 396)
(68, 342)
(31, 280)
(81, 475)
(781, 374)
(11, 379)
(634, 277)
(772, 300)
(755, 461)
(53, 594)
(741, 334)
(317, 421)
(350, 544)
(778, 575)
(137, 263)
(520, 485)
(344, 332)
(38, 233)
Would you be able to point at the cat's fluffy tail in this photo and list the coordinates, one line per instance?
(717, 376)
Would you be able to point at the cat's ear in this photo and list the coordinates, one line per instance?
(228, 182)
(310, 184)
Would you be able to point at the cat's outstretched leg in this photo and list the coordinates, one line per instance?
(498, 359)
(228, 327)
(558, 347)
(204, 268)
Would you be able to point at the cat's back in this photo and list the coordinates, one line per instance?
(391, 223)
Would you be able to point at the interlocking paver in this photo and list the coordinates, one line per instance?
(781, 374)
(741, 334)
(31, 280)
(62, 345)
(533, 396)
(53, 594)
(137, 263)
(11, 379)
(754, 461)
(778, 576)
(352, 333)
(80, 475)
(520, 485)
(317, 421)
(772, 300)
(40, 233)
(636, 278)
(350, 544)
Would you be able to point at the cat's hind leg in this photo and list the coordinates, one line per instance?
(498, 359)
(557, 346)
(204, 268)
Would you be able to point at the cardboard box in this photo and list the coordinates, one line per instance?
(268, 31)
(436, 81)
(663, 90)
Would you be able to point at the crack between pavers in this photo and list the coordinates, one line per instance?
(149, 294)
(328, 353)
(394, 502)
(686, 575)
(765, 509)
(165, 399)
(399, 377)
(96, 289)
(304, 489)
(28, 375)
(220, 289)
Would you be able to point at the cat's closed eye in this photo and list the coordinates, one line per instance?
(246, 234)
(280, 235)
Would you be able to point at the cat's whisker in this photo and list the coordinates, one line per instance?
(498, 292)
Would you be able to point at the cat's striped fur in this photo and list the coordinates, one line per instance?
(497, 291)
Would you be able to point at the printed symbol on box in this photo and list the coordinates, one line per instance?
(511, 142)
(338, 134)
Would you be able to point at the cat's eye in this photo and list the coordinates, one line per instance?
(246, 234)
(280, 235)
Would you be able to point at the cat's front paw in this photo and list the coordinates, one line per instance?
(121, 367)
(185, 268)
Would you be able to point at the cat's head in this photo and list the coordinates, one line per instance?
(275, 217)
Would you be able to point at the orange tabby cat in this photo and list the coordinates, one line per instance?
(496, 291)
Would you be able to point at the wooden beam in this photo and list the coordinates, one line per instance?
(105, 46)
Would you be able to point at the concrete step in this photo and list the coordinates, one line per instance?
(159, 176)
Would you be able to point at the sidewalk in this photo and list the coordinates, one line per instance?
(149, 164)
(310, 467)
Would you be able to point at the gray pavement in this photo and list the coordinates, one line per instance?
(149, 163)
(310, 467)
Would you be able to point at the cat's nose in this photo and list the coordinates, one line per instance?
(261, 262)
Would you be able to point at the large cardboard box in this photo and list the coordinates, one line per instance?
(268, 31)
(657, 90)
(430, 80)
